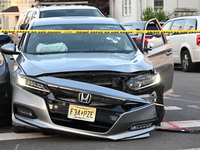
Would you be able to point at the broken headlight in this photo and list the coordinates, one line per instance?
(32, 86)
(143, 81)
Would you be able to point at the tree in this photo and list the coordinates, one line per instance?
(149, 13)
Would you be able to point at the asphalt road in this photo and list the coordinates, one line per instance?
(182, 112)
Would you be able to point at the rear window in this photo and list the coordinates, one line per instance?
(70, 12)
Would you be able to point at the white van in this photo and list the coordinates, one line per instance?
(186, 46)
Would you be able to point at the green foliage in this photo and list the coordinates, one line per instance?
(149, 13)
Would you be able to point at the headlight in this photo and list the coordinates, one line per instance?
(32, 86)
(1, 60)
(143, 81)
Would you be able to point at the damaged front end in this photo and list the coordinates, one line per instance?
(98, 104)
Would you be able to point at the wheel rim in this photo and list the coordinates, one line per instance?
(185, 61)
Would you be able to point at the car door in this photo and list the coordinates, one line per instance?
(159, 51)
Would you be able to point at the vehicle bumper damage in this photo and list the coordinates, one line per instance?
(65, 105)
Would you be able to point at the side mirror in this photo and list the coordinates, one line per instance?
(4, 38)
(9, 49)
(24, 26)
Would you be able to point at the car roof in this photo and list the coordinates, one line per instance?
(66, 7)
(138, 23)
(46, 8)
(73, 20)
(134, 22)
(196, 17)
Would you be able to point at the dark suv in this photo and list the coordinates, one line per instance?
(5, 88)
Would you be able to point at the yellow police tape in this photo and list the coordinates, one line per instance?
(99, 31)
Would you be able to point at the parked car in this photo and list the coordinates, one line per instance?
(5, 88)
(54, 9)
(186, 46)
(98, 85)
(141, 25)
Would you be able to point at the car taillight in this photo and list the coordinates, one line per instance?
(146, 39)
(198, 40)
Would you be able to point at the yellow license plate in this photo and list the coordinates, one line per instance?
(82, 113)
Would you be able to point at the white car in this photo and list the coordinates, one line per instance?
(55, 9)
(185, 46)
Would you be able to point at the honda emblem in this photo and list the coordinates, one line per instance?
(84, 98)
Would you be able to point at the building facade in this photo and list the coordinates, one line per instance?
(122, 10)
(10, 11)
(131, 10)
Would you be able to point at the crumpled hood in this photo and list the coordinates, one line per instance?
(34, 65)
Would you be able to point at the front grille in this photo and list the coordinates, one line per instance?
(108, 109)
(72, 96)
(58, 111)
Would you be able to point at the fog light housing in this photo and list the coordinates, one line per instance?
(24, 111)
(140, 126)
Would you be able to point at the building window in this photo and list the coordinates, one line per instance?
(158, 4)
(126, 7)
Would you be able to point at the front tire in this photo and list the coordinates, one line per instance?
(19, 129)
(186, 62)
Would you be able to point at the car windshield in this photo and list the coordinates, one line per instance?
(45, 43)
(70, 12)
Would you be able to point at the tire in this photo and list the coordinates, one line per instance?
(186, 62)
(19, 129)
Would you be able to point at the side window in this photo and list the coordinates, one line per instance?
(178, 24)
(190, 24)
(167, 26)
(21, 41)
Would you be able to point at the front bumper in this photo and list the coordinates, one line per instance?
(129, 124)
